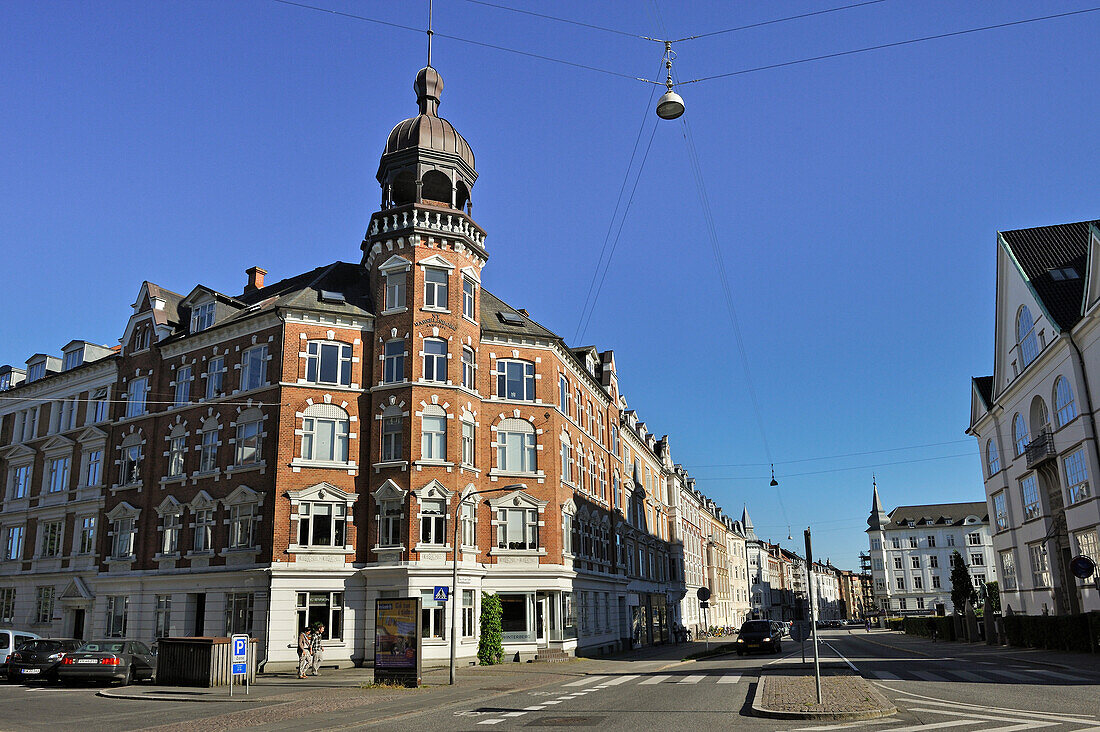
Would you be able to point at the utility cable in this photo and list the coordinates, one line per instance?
(893, 44)
(569, 20)
(828, 457)
(841, 470)
(774, 21)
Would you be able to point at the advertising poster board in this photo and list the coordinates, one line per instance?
(397, 641)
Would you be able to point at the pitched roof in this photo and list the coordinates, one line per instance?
(1044, 248)
(984, 385)
(942, 514)
(170, 313)
(491, 309)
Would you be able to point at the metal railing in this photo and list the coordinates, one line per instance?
(1040, 449)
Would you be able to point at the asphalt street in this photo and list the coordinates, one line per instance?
(934, 686)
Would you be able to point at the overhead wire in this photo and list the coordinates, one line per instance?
(773, 21)
(841, 470)
(829, 457)
(570, 21)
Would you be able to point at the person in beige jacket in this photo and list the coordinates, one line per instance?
(305, 653)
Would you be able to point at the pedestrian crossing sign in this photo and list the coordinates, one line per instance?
(440, 594)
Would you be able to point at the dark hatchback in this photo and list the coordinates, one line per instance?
(758, 635)
(108, 660)
(39, 658)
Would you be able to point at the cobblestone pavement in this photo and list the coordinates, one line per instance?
(841, 693)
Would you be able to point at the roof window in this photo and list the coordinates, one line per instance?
(1063, 273)
(510, 318)
(334, 297)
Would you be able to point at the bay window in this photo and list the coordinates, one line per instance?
(393, 363)
(435, 359)
(433, 433)
(435, 288)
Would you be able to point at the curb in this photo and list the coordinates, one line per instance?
(761, 711)
(172, 698)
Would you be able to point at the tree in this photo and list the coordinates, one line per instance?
(962, 590)
(993, 597)
(490, 646)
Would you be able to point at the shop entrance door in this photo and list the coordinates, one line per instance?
(542, 620)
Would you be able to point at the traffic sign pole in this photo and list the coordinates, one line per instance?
(813, 614)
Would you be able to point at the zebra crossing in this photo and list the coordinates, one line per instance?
(1018, 675)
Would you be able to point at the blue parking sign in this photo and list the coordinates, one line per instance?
(440, 594)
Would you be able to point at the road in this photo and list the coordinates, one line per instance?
(943, 686)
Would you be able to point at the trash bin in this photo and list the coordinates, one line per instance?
(199, 661)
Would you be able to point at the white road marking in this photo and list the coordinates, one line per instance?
(693, 679)
(656, 679)
(928, 676)
(1057, 675)
(621, 680)
(730, 679)
(491, 721)
(513, 714)
(842, 658)
(1020, 723)
(1011, 674)
(536, 708)
(847, 725)
(587, 681)
(970, 676)
(936, 725)
(885, 676)
(907, 696)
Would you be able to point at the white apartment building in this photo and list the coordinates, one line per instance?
(911, 550)
(1034, 418)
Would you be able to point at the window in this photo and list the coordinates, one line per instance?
(897, 563)
(20, 481)
(1077, 477)
(59, 475)
(242, 525)
(950, 540)
(1008, 570)
(204, 530)
(992, 458)
(468, 525)
(208, 455)
(895, 541)
(389, 524)
(1000, 511)
(325, 434)
(86, 538)
(170, 525)
(900, 580)
(163, 617)
(878, 563)
(202, 316)
(1019, 434)
(116, 616)
(1029, 488)
(432, 617)
(328, 363)
(931, 542)
(72, 359)
(517, 528)
(1086, 545)
(98, 408)
(215, 373)
(468, 367)
(435, 288)
(36, 371)
(468, 291)
(7, 605)
(933, 562)
(467, 443)
(395, 290)
(935, 582)
(516, 446)
(912, 542)
(326, 608)
(254, 368)
(135, 397)
(124, 530)
(1064, 408)
(1025, 336)
(974, 539)
(468, 624)
(249, 437)
(52, 532)
(43, 605)
(93, 467)
(177, 449)
(239, 607)
(435, 359)
(433, 433)
(433, 521)
(321, 524)
(131, 460)
(915, 562)
(918, 582)
(977, 560)
(183, 386)
(1040, 570)
(563, 400)
(393, 428)
(566, 462)
(393, 363)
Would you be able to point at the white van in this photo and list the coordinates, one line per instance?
(9, 641)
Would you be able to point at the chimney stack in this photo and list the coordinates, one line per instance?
(255, 279)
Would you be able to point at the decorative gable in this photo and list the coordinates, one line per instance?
(396, 263)
(389, 491)
(436, 261)
(321, 492)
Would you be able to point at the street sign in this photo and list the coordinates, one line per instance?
(1082, 566)
(703, 593)
(440, 594)
(240, 654)
(800, 631)
(704, 603)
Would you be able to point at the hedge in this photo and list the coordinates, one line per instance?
(944, 627)
(1054, 632)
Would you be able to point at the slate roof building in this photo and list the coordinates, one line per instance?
(296, 451)
(1033, 418)
(911, 552)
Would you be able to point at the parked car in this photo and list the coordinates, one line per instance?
(39, 658)
(9, 641)
(109, 660)
(759, 635)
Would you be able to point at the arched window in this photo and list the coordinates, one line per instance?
(1040, 417)
(462, 195)
(433, 433)
(325, 434)
(404, 188)
(436, 186)
(1025, 336)
(992, 458)
(131, 459)
(1065, 410)
(1019, 434)
(516, 446)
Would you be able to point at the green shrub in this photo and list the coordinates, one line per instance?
(1080, 633)
(490, 646)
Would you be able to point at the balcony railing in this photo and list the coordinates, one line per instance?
(1040, 449)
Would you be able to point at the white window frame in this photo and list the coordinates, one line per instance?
(85, 539)
(203, 316)
(526, 379)
(135, 396)
(1000, 510)
(254, 368)
(337, 513)
(215, 377)
(1040, 564)
(1065, 408)
(320, 352)
(468, 368)
(433, 521)
(20, 480)
(248, 444)
(1077, 476)
(469, 443)
(208, 449)
(469, 299)
(436, 292)
(437, 371)
(184, 377)
(433, 435)
(396, 294)
(1029, 493)
(518, 444)
(393, 361)
(53, 533)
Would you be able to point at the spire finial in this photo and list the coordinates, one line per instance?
(429, 32)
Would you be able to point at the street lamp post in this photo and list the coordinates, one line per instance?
(454, 570)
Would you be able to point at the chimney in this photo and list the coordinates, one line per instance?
(523, 312)
(255, 279)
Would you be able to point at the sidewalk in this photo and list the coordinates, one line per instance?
(1087, 662)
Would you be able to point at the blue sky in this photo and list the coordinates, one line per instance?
(856, 199)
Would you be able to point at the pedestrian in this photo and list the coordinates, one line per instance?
(315, 648)
(868, 625)
(305, 656)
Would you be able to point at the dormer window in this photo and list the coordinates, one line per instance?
(141, 339)
(202, 317)
(36, 371)
(73, 359)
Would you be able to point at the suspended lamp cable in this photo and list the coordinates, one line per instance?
(829, 457)
(771, 22)
(841, 470)
(570, 21)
